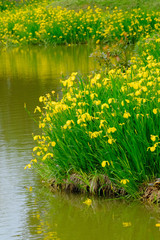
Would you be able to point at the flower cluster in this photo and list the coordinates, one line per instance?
(38, 24)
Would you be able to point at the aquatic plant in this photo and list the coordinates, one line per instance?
(107, 123)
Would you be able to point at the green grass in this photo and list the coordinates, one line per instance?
(123, 4)
(16, 4)
(83, 4)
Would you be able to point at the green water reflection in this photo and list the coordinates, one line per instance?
(27, 74)
(67, 217)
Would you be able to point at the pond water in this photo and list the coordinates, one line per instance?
(28, 210)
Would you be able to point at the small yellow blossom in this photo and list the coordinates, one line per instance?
(157, 224)
(153, 148)
(38, 153)
(36, 137)
(111, 140)
(98, 76)
(79, 121)
(144, 89)
(41, 99)
(41, 125)
(155, 111)
(92, 95)
(134, 66)
(27, 166)
(34, 160)
(121, 124)
(102, 123)
(45, 149)
(137, 93)
(110, 100)
(53, 144)
(127, 100)
(97, 42)
(153, 138)
(35, 148)
(124, 181)
(122, 103)
(104, 105)
(95, 134)
(97, 102)
(126, 115)
(111, 130)
(104, 163)
(65, 127)
(37, 109)
(46, 156)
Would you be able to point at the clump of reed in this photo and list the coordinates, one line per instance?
(106, 124)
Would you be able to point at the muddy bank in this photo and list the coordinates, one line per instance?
(98, 185)
(102, 186)
(152, 192)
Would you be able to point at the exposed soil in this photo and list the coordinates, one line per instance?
(99, 185)
(152, 192)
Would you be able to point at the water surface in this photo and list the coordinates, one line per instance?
(28, 210)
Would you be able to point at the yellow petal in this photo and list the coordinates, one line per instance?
(103, 163)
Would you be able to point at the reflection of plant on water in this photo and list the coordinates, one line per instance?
(65, 216)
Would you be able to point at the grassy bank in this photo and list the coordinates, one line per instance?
(111, 4)
(152, 5)
(37, 24)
